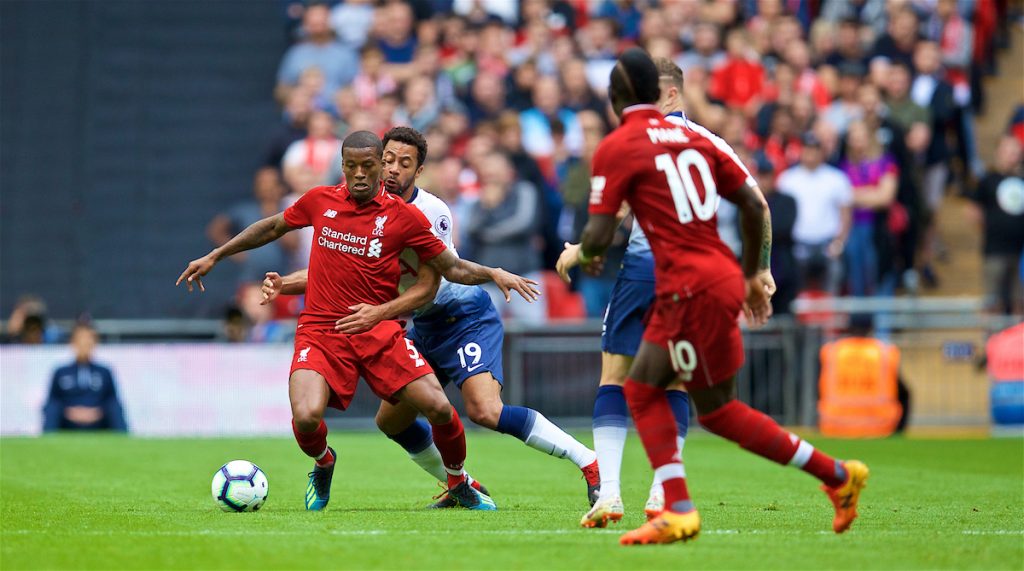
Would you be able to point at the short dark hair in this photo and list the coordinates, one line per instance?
(669, 71)
(409, 136)
(363, 140)
(635, 77)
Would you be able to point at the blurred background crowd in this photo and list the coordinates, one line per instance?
(857, 118)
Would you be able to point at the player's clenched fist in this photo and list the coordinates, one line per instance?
(195, 271)
(272, 285)
(507, 282)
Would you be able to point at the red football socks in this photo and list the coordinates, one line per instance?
(314, 444)
(450, 440)
(656, 426)
(758, 433)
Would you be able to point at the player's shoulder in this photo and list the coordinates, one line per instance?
(437, 212)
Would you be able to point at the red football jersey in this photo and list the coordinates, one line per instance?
(672, 176)
(354, 256)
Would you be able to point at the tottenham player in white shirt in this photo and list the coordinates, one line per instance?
(631, 297)
(455, 327)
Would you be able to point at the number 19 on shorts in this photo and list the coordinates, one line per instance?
(684, 358)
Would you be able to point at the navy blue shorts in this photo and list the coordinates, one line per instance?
(624, 319)
(459, 347)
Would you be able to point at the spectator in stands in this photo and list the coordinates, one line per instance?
(870, 13)
(83, 395)
(28, 323)
(487, 98)
(999, 210)
(784, 214)
(824, 198)
(845, 107)
(739, 80)
(297, 109)
(395, 33)
(261, 327)
(319, 48)
(419, 108)
(267, 194)
(504, 229)
(577, 94)
(536, 121)
(782, 145)
(314, 153)
(873, 175)
(599, 45)
(707, 49)
(849, 50)
(373, 80)
(351, 21)
(236, 330)
(897, 45)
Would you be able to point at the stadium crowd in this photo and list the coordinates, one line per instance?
(856, 116)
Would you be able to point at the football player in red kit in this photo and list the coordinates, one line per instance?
(360, 231)
(672, 178)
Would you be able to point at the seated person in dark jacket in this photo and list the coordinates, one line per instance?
(82, 394)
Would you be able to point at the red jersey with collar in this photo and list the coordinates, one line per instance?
(672, 176)
(355, 251)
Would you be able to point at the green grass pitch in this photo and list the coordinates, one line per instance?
(110, 502)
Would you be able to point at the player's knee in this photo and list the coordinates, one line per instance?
(438, 411)
(484, 413)
(307, 417)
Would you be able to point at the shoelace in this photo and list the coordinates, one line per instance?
(443, 493)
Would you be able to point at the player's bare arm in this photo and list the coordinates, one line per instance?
(275, 285)
(764, 264)
(257, 234)
(460, 271)
(753, 214)
(597, 235)
(366, 316)
(569, 258)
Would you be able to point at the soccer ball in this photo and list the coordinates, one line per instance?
(239, 486)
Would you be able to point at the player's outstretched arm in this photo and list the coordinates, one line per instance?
(460, 271)
(257, 234)
(366, 316)
(756, 231)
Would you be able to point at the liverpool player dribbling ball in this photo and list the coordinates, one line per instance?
(672, 178)
(455, 327)
(359, 233)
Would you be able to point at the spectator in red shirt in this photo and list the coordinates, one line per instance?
(739, 81)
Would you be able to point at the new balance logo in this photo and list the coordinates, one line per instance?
(303, 355)
(330, 213)
(375, 248)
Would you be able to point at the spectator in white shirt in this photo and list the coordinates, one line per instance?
(824, 200)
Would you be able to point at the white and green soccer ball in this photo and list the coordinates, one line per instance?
(239, 486)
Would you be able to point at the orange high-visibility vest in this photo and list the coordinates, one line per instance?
(858, 388)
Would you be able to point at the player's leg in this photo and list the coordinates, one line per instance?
(482, 395)
(399, 422)
(308, 393)
(611, 417)
(651, 373)
(722, 414)
(679, 401)
(426, 395)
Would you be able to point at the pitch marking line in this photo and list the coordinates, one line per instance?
(379, 532)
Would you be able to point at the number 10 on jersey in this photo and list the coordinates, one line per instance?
(684, 189)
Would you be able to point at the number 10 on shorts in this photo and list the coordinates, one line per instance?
(684, 358)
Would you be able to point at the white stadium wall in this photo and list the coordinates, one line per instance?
(166, 389)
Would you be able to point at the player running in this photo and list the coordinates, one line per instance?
(458, 331)
(632, 296)
(672, 178)
(360, 232)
